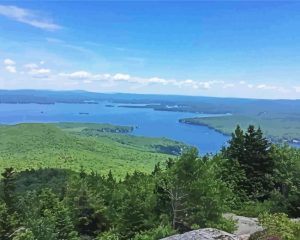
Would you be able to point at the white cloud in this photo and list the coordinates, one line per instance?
(158, 80)
(34, 70)
(80, 75)
(121, 76)
(30, 66)
(87, 81)
(268, 87)
(228, 85)
(11, 69)
(40, 71)
(123, 81)
(8, 61)
(28, 17)
(88, 77)
(194, 84)
(272, 87)
(210, 84)
(297, 89)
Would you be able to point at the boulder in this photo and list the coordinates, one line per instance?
(245, 225)
(204, 234)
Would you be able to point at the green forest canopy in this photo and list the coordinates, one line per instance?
(173, 194)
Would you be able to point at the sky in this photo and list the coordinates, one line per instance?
(216, 48)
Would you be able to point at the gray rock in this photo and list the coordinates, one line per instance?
(245, 225)
(204, 234)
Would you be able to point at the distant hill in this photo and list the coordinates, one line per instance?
(279, 118)
(94, 147)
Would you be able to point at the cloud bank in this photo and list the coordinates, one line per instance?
(39, 75)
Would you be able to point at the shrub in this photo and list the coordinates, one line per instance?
(253, 208)
(155, 233)
(227, 225)
(279, 225)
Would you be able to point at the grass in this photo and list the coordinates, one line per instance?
(26, 146)
(277, 128)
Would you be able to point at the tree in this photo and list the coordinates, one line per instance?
(194, 192)
(9, 189)
(258, 163)
(8, 215)
(23, 234)
(8, 222)
(174, 195)
(286, 177)
(236, 148)
(251, 150)
(46, 217)
(88, 209)
(136, 206)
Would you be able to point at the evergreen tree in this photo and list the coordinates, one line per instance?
(8, 214)
(258, 163)
(9, 189)
(110, 181)
(252, 152)
(8, 222)
(236, 148)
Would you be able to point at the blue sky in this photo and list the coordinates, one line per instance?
(216, 48)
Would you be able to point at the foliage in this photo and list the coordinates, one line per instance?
(155, 233)
(253, 208)
(227, 225)
(93, 206)
(26, 146)
(192, 193)
(23, 234)
(280, 225)
(264, 177)
(278, 127)
(252, 153)
(286, 179)
(109, 235)
(249, 176)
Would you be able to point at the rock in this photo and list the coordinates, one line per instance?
(245, 225)
(204, 234)
(244, 236)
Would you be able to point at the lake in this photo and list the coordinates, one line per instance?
(149, 123)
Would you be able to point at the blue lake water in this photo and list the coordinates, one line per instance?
(149, 122)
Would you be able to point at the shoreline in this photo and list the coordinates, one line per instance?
(205, 125)
(291, 142)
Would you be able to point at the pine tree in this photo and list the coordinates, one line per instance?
(8, 222)
(8, 214)
(236, 146)
(111, 181)
(252, 152)
(8, 189)
(258, 162)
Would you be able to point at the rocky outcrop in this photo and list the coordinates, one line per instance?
(204, 234)
(245, 225)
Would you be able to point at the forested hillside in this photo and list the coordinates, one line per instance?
(250, 177)
(97, 147)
